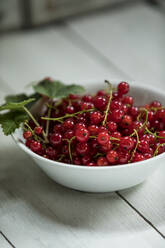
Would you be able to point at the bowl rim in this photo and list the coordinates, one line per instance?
(114, 167)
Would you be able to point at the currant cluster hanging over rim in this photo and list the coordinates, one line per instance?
(98, 130)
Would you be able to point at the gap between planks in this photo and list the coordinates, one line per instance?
(140, 214)
(9, 242)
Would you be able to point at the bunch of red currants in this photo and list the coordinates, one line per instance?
(98, 130)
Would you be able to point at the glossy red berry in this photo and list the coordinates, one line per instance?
(87, 98)
(123, 157)
(102, 161)
(112, 157)
(138, 126)
(147, 155)
(123, 88)
(126, 121)
(155, 104)
(103, 129)
(138, 157)
(82, 148)
(93, 129)
(68, 124)
(134, 111)
(28, 142)
(143, 146)
(58, 128)
(160, 114)
(101, 93)
(127, 143)
(51, 152)
(55, 139)
(82, 134)
(68, 134)
(103, 138)
(95, 117)
(70, 109)
(100, 102)
(112, 126)
(116, 104)
(80, 125)
(35, 146)
(86, 159)
(87, 105)
(117, 115)
(107, 147)
(38, 130)
(127, 100)
(116, 135)
(27, 134)
(162, 135)
(77, 161)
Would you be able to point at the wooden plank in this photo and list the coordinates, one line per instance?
(132, 38)
(30, 56)
(134, 28)
(36, 212)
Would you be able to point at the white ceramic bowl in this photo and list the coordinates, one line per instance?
(101, 179)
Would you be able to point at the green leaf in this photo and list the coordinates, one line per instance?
(56, 89)
(11, 121)
(16, 98)
(15, 105)
(22, 97)
(70, 89)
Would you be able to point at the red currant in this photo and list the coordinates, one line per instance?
(95, 117)
(93, 129)
(127, 143)
(117, 115)
(35, 146)
(100, 102)
(103, 138)
(112, 126)
(102, 161)
(27, 134)
(123, 88)
(55, 139)
(138, 157)
(82, 134)
(126, 121)
(38, 130)
(112, 156)
(128, 100)
(82, 148)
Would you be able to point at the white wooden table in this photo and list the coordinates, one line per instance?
(35, 212)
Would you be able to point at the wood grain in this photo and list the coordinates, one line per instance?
(132, 38)
(128, 45)
(37, 212)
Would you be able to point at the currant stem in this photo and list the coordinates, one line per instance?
(133, 153)
(69, 146)
(33, 133)
(154, 134)
(48, 121)
(36, 122)
(157, 149)
(67, 115)
(109, 102)
(113, 138)
(145, 122)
